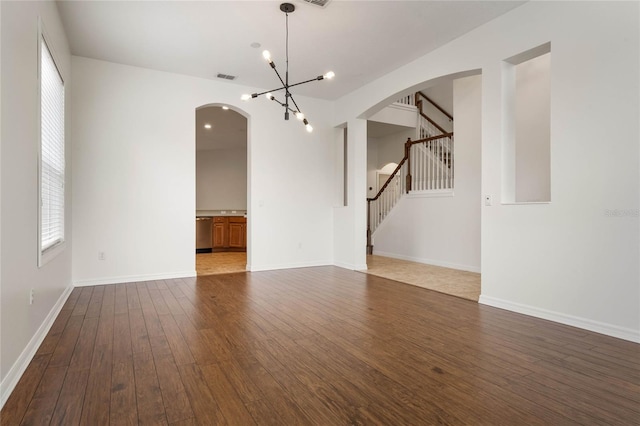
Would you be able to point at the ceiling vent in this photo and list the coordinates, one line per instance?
(319, 3)
(226, 76)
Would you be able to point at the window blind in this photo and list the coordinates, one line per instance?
(51, 151)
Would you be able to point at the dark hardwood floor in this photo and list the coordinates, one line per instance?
(316, 346)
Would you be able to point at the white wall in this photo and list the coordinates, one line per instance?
(24, 325)
(445, 230)
(532, 129)
(349, 230)
(391, 148)
(398, 114)
(221, 179)
(372, 166)
(382, 151)
(573, 260)
(134, 175)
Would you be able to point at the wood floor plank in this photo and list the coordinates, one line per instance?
(18, 402)
(122, 409)
(108, 301)
(133, 300)
(95, 303)
(69, 406)
(121, 304)
(82, 304)
(83, 351)
(274, 402)
(66, 346)
(42, 406)
(318, 345)
(97, 400)
(204, 405)
(179, 347)
(176, 401)
(139, 334)
(148, 394)
(53, 337)
(224, 393)
(154, 328)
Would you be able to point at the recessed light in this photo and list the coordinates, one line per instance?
(225, 107)
(255, 45)
(207, 126)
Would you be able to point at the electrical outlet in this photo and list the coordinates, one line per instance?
(101, 255)
(31, 294)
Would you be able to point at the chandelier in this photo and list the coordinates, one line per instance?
(289, 103)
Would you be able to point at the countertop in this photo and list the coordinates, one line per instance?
(213, 213)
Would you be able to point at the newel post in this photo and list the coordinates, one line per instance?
(369, 246)
(407, 155)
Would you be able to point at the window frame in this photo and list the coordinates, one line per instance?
(46, 254)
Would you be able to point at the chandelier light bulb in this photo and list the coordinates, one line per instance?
(289, 104)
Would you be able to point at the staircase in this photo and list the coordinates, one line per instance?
(427, 165)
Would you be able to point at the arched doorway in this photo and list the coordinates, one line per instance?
(221, 189)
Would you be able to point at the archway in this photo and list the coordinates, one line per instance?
(222, 220)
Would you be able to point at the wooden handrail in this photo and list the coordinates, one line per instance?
(432, 138)
(405, 158)
(438, 107)
(396, 170)
(422, 114)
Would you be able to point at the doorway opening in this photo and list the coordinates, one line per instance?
(221, 190)
(421, 231)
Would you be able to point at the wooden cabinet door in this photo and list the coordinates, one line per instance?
(236, 235)
(219, 235)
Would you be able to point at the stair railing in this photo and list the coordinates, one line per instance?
(419, 97)
(431, 168)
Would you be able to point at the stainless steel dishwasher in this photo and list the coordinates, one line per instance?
(203, 234)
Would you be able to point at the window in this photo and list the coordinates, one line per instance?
(51, 167)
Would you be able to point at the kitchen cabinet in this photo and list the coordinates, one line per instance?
(229, 233)
(237, 232)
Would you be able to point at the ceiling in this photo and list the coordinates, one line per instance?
(228, 129)
(358, 40)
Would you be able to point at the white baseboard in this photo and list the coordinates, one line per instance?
(351, 266)
(433, 262)
(18, 368)
(586, 324)
(257, 268)
(134, 278)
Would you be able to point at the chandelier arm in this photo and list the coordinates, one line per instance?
(284, 85)
(306, 81)
(294, 102)
(306, 122)
(277, 101)
(283, 105)
(255, 95)
(287, 8)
